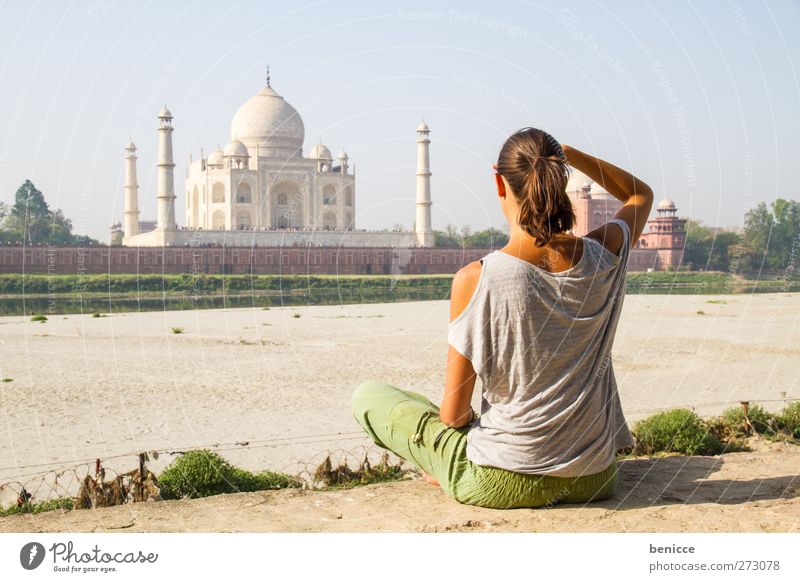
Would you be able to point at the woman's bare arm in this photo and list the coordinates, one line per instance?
(637, 197)
(460, 376)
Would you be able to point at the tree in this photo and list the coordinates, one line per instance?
(707, 248)
(31, 221)
(490, 238)
(452, 238)
(757, 230)
(786, 232)
(30, 217)
(696, 250)
(771, 235)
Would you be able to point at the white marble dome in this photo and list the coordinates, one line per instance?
(597, 191)
(666, 204)
(268, 122)
(236, 149)
(215, 158)
(577, 181)
(320, 152)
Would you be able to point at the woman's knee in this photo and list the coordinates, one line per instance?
(366, 395)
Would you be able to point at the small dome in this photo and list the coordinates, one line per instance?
(165, 113)
(320, 152)
(236, 149)
(597, 191)
(577, 181)
(130, 146)
(423, 127)
(215, 158)
(666, 204)
(342, 154)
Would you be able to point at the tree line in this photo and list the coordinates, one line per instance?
(769, 242)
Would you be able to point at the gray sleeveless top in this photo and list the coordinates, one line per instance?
(540, 343)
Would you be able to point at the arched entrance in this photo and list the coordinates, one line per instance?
(287, 205)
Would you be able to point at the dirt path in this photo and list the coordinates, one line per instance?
(756, 491)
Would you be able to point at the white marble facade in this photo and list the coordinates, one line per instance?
(261, 180)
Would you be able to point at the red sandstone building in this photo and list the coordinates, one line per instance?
(660, 246)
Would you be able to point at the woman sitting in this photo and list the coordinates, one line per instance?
(535, 321)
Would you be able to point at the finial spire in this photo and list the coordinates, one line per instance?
(268, 85)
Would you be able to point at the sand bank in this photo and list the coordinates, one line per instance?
(86, 388)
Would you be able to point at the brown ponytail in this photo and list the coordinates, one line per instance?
(534, 165)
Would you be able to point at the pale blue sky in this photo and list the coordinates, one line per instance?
(699, 99)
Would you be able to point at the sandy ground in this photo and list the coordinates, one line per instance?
(86, 388)
(756, 491)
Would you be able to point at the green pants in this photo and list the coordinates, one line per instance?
(408, 424)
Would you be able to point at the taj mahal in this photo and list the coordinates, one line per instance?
(260, 190)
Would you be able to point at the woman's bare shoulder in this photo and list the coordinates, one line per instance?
(464, 283)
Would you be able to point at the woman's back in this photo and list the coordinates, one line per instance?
(541, 344)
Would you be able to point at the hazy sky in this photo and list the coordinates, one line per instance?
(699, 99)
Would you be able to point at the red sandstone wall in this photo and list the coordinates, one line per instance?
(259, 261)
(216, 260)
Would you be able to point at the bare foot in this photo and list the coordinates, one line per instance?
(429, 479)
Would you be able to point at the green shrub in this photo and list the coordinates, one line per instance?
(789, 419)
(762, 421)
(39, 317)
(202, 473)
(678, 431)
(177, 330)
(31, 507)
(247, 481)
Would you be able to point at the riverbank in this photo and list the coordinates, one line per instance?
(755, 491)
(123, 293)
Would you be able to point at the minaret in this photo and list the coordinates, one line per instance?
(423, 223)
(131, 192)
(166, 178)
